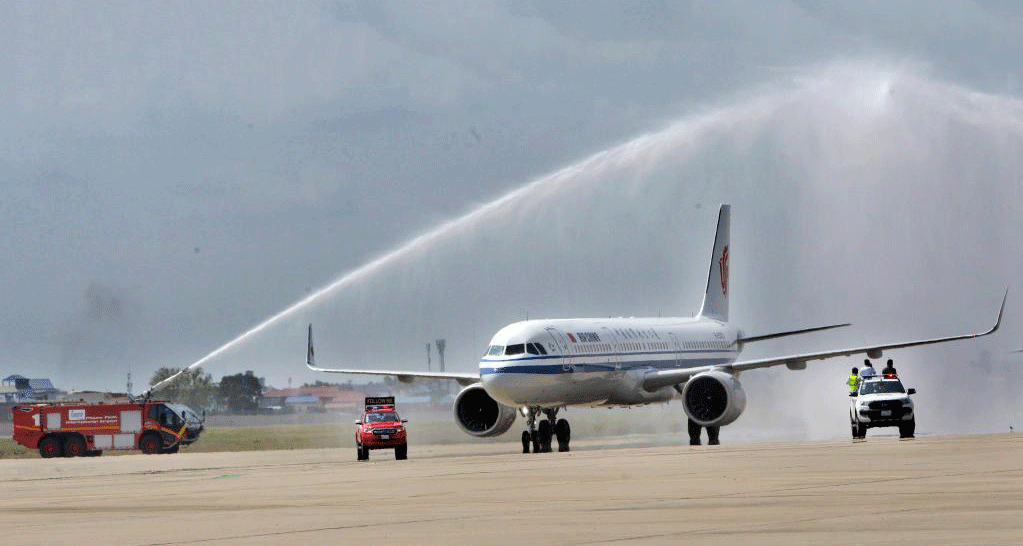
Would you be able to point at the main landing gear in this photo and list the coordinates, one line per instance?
(694, 434)
(539, 436)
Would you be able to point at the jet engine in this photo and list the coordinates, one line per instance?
(713, 398)
(480, 415)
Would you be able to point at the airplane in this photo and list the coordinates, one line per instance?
(538, 367)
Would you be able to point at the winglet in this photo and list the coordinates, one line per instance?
(310, 357)
(1001, 311)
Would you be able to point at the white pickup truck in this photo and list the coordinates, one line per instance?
(881, 401)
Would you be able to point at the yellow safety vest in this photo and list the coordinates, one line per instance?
(853, 380)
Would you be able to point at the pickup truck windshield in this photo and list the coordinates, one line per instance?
(875, 387)
(381, 417)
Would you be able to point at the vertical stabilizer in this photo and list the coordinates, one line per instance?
(715, 300)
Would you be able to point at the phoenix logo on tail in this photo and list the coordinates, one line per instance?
(723, 264)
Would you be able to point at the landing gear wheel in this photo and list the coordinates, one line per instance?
(712, 436)
(694, 433)
(526, 441)
(151, 444)
(401, 452)
(50, 447)
(906, 430)
(861, 430)
(543, 433)
(74, 446)
(361, 453)
(534, 438)
(564, 433)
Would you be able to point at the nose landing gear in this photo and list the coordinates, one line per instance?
(542, 431)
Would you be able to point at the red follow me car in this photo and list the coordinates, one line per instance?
(381, 428)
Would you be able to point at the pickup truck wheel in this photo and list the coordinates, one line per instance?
(74, 446)
(906, 430)
(401, 452)
(151, 444)
(853, 426)
(50, 447)
(861, 430)
(361, 453)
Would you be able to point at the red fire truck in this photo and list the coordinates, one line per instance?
(75, 429)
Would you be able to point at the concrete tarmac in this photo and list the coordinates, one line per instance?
(938, 490)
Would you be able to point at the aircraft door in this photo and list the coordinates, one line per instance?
(615, 358)
(562, 345)
(677, 348)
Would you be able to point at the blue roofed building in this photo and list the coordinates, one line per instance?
(18, 388)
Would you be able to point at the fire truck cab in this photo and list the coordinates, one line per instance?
(75, 430)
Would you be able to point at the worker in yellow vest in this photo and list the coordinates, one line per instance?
(854, 381)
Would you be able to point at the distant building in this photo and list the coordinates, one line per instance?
(18, 388)
(312, 399)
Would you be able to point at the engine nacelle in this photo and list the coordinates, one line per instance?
(480, 415)
(713, 398)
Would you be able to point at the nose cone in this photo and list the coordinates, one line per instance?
(505, 388)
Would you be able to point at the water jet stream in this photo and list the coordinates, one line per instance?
(680, 137)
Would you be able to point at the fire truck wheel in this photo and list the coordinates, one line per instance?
(150, 444)
(74, 446)
(174, 449)
(50, 447)
(94, 453)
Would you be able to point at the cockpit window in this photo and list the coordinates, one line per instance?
(531, 349)
(515, 349)
(495, 350)
(542, 350)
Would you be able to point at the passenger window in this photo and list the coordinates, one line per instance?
(515, 349)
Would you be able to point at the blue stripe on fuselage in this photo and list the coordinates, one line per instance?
(583, 367)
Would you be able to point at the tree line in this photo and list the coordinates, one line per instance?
(238, 393)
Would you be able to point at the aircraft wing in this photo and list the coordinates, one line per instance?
(405, 376)
(664, 378)
(463, 379)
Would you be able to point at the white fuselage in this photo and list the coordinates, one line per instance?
(598, 362)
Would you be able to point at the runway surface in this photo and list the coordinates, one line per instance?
(939, 490)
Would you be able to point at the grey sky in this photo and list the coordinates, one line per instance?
(174, 174)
